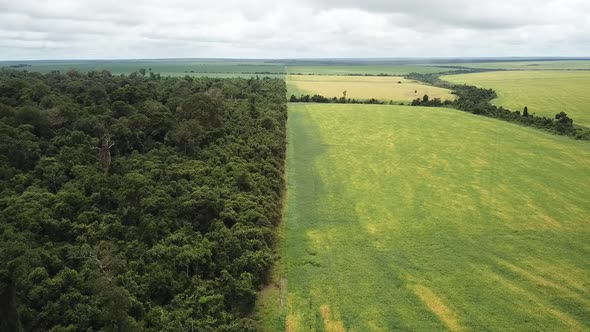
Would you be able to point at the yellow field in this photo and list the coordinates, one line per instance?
(364, 87)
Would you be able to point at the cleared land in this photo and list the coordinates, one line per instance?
(163, 67)
(362, 69)
(543, 92)
(420, 219)
(536, 65)
(363, 87)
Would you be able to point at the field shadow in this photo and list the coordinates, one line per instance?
(332, 264)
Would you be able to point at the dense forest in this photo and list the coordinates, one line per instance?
(137, 202)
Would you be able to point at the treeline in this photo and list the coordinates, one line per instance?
(426, 101)
(334, 100)
(234, 72)
(135, 203)
(478, 101)
(20, 65)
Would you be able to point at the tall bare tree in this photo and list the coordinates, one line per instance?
(105, 152)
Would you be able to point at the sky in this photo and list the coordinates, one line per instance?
(127, 29)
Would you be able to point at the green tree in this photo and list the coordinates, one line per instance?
(207, 108)
(565, 125)
(52, 172)
(187, 136)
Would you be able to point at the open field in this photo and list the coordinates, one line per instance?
(213, 68)
(363, 87)
(221, 75)
(543, 92)
(536, 65)
(362, 69)
(422, 219)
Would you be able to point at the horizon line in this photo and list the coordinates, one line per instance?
(522, 58)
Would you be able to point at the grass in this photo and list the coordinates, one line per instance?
(178, 67)
(545, 93)
(363, 87)
(523, 65)
(362, 69)
(422, 219)
(222, 75)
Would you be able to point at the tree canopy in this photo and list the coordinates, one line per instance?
(134, 203)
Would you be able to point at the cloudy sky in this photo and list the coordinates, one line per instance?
(112, 29)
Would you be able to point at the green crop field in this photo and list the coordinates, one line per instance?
(362, 69)
(172, 67)
(545, 93)
(364, 87)
(429, 219)
(222, 75)
(531, 65)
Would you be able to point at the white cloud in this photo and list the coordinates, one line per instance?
(65, 29)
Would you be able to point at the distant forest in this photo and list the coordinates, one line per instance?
(137, 202)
